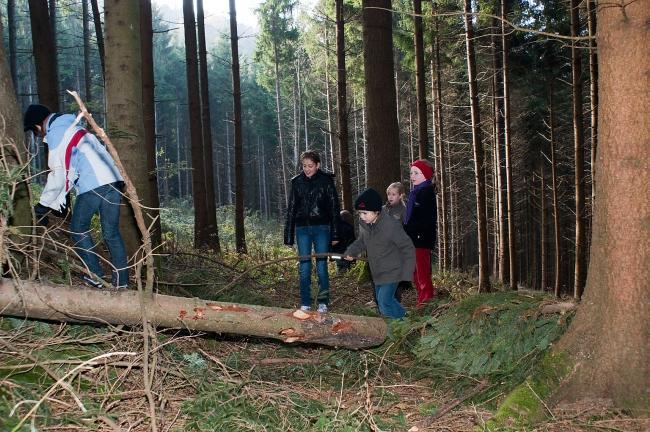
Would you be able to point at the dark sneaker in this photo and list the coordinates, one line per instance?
(91, 282)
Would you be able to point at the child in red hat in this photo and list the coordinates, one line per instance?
(420, 223)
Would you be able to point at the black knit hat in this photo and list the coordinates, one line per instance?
(35, 115)
(369, 200)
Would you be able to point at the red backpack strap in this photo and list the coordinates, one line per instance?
(68, 152)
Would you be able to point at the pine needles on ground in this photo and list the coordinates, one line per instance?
(495, 337)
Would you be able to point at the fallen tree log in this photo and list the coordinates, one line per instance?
(48, 301)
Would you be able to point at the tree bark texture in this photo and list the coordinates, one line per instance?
(420, 81)
(206, 133)
(202, 234)
(510, 192)
(477, 145)
(554, 185)
(72, 304)
(11, 28)
(85, 22)
(13, 151)
(97, 18)
(149, 116)
(240, 235)
(499, 146)
(609, 336)
(124, 106)
(332, 136)
(442, 154)
(542, 223)
(278, 113)
(580, 270)
(44, 47)
(342, 110)
(593, 89)
(381, 101)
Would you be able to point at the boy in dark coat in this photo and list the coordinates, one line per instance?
(390, 252)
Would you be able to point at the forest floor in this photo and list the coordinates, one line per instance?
(207, 382)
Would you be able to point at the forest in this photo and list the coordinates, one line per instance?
(532, 113)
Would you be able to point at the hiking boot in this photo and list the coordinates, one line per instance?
(322, 308)
(305, 308)
(91, 282)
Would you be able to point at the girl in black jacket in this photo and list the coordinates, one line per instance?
(420, 222)
(312, 216)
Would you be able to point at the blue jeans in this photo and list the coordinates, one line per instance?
(105, 200)
(319, 237)
(388, 304)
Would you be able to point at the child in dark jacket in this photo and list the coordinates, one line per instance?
(420, 223)
(346, 237)
(390, 252)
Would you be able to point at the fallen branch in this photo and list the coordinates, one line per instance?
(283, 361)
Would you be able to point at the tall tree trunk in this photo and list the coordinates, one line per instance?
(11, 27)
(97, 18)
(420, 81)
(439, 133)
(499, 145)
(477, 145)
(124, 104)
(332, 137)
(357, 169)
(229, 189)
(206, 137)
(510, 192)
(149, 118)
(240, 235)
(202, 235)
(179, 172)
(593, 89)
(364, 140)
(609, 336)
(278, 111)
(45, 55)
(556, 209)
(342, 110)
(13, 151)
(381, 104)
(578, 146)
(542, 223)
(86, 50)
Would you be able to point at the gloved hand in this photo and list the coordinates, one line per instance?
(41, 214)
(60, 214)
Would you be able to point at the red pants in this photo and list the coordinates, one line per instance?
(422, 275)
